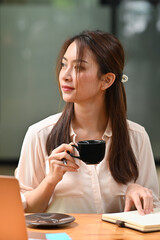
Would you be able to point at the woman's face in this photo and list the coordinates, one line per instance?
(79, 84)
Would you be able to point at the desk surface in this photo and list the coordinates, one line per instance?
(91, 227)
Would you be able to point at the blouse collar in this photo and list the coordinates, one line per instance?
(107, 133)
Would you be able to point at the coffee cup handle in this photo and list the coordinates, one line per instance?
(72, 154)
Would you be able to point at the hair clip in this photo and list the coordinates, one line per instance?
(124, 78)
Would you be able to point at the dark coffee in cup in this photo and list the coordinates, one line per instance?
(90, 151)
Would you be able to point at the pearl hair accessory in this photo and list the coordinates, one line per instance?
(124, 78)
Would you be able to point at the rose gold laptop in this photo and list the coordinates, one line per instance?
(12, 220)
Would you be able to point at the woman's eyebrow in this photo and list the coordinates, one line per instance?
(76, 60)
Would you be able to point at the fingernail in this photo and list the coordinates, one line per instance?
(142, 213)
(146, 211)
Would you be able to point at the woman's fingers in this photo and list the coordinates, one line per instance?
(60, 160)
(147, 201)
(60, 166)
(139, 197)
(62, 152)
(130, 202)
(63, 147)
(64, 155)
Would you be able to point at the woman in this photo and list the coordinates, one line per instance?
(90, 69)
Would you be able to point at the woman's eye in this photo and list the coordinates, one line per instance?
(79, 68)
(63, 64)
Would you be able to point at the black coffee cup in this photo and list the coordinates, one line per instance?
(90, 151)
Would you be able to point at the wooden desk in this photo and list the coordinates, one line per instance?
(91, 227)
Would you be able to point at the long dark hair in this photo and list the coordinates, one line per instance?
(110, 57)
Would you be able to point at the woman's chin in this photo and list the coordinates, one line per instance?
(67, 100)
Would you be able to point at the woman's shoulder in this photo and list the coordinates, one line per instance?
(138, 134)
(46, 123)
(135, 127)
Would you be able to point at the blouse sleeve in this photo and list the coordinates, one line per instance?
(31, 167)
(147, 170)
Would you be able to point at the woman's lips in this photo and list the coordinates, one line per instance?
(67, 88)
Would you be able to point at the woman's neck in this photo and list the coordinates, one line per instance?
(89, 122)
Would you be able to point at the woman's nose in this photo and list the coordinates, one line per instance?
(67, 74)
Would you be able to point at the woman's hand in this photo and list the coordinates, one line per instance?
(140, 197)
(38, 198)
(57, 165)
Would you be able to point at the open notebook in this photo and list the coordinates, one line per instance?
(12, 220)
(132, 219)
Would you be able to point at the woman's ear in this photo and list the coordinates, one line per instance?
(107, 80)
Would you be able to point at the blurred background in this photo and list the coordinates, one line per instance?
(31, 34)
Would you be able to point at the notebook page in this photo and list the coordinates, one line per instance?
(135, 217)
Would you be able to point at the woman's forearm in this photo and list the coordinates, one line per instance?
(37, 199)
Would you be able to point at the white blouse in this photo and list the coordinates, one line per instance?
(92, 189)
